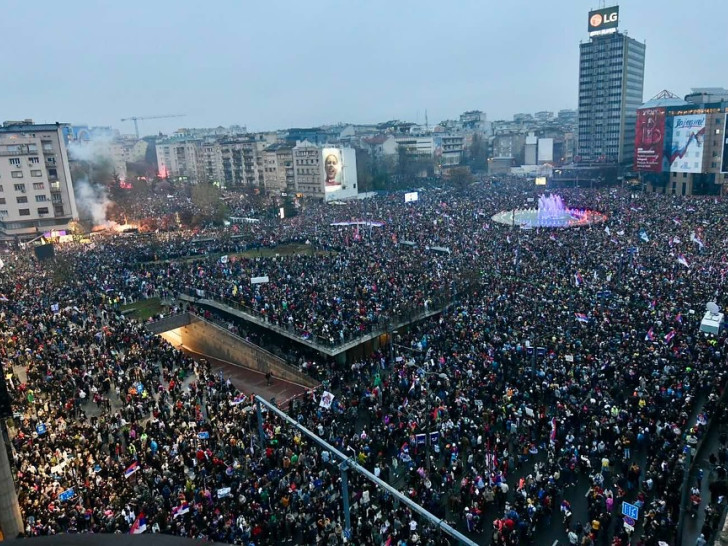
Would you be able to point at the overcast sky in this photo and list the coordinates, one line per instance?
(274, 64)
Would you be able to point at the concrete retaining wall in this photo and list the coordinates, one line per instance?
(210, 339)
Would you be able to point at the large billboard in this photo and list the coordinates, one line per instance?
(603, 19)
(724, 164)
(685, 154)
(339, 173)
(649, 140)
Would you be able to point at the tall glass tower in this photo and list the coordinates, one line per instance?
(611, 78)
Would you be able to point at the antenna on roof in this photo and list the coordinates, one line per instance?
(427, 124)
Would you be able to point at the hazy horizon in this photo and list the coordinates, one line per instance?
(278, 64)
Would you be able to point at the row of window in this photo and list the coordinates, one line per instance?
(19, 174)
(57, 209)
(24, 199)
(38, 186)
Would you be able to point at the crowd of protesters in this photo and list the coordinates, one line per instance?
(472, 420)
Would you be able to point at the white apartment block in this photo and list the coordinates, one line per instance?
(178, 157)
(36, 192)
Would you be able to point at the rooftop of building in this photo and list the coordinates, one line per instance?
(28, 125)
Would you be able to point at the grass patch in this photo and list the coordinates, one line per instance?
(143, 309)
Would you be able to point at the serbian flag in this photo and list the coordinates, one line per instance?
(650, 335)
(681, 259)
(581, 317)
(578, 279)
(695, 239)
(552, 436)
(133, 467)
(239, 399)
(678, 318)
(139, 525)
(180, 510)
(669, 336)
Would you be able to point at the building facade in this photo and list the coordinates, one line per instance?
(278, 171)
(178, 157)
(324, 172)
(611, 79)
(680, 145)
(36, 191)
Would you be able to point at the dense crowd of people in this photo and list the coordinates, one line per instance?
(564, 358)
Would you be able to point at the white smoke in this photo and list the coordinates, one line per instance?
(94, 151)
(91, 197)
(92, 201)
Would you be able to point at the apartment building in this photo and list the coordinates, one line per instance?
(36, 191)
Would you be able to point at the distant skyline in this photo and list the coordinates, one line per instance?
(278, 64)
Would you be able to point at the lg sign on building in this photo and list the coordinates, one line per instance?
(603, 19)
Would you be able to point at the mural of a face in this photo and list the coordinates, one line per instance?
(331, 165)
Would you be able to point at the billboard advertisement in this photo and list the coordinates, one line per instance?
(724, 164)
(686, 144)
(649, 140)
(339, 173)
(603, 19)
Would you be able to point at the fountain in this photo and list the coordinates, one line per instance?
(551, 212)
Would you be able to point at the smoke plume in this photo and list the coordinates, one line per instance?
(91, 196)
(92, 201)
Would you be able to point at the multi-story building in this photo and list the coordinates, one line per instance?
(211, 162)
(307, 169)
(326, 173)
(681, 146)
(611, 78)
(278, 172)
(179, 157)
(452, 149)
(36, 191)
(510, 145)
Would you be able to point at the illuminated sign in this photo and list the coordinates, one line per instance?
(410, 197)
(603, 19)
(541, 181)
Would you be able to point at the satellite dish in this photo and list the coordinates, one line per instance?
(712, 308)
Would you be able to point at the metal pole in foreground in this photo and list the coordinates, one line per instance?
(398, 496)
(261, 432)
(345, 496)
(11, 521)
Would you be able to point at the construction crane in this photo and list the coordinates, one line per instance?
(136, 120)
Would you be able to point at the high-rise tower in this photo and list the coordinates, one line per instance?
(611, 78)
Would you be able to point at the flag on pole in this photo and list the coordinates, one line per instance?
(239, 399)
(643, 235)
(679, 318)
(554, 425)
(139, 525)
(578, 279)
(669, 336)
(681, 259)
(676, 221)
(650, 335)
(180, 510)
(695, 239)
(224, 259)
(581, 317)
(607, 230)
(132, 468)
